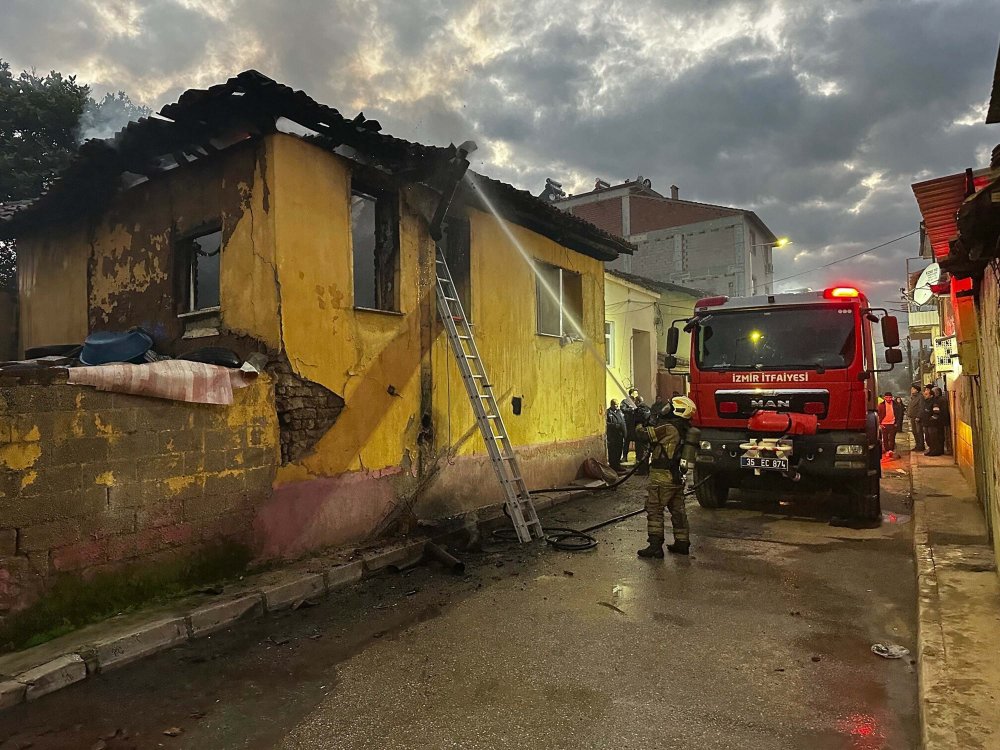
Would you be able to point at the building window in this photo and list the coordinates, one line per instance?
(201, 256)
(457, 244)
(609, 343)
(375, 247)
(558, 301)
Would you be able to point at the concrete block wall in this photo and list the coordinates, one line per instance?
(988, 318)
(92, 481)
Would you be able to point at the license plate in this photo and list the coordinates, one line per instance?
(772, 464)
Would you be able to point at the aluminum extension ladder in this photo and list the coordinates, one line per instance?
(484, 406)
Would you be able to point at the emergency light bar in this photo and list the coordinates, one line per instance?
(712, 301)
(841, 292)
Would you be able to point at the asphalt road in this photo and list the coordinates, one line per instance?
(761, 639)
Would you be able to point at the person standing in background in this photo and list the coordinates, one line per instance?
(615, 429)
(913, 409)
(628, 410)
(942, 398)
(900, 409)
(932, 420)
(887, 421)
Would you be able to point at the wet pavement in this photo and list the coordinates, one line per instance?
(761, 639)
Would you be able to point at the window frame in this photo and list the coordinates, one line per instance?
(540, 290)
(387, 220)
(187, 289)
(609, 343)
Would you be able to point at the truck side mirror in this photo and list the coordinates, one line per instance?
(890, 331)
(670, 362)
(673, 339)
(893, 356)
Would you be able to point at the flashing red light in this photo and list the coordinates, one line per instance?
(813, 407)
(841, 292)
(729, 407)
(712, 301)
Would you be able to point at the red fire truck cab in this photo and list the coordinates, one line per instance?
(786, 394)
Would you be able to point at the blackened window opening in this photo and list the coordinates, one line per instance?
(202, 255)
(456, 244)
(375, 246)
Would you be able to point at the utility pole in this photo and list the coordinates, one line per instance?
(909, 357)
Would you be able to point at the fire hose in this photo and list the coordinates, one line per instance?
(577, 540)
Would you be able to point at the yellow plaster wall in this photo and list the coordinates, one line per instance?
(562, 387)
(629, 307)
(248, 280)
(356, 354)
(52, 281)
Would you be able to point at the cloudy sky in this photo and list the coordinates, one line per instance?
(817, 114)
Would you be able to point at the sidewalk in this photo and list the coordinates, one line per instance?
(105, 646)
(958, 610)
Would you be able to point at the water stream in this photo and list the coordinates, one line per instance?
(544, 284)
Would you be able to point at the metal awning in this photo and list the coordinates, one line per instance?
(939, 200)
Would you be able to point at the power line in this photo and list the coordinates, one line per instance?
(849, 257)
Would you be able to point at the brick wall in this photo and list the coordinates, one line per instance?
(650, 214)
(92, 481)
(606, 214)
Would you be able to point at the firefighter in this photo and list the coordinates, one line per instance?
(666, 480)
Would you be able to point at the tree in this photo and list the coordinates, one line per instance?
(43, 120)
(39, 121)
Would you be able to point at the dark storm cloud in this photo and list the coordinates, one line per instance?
(817, 115)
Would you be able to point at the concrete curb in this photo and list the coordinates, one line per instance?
(274, 593)
(936, 729)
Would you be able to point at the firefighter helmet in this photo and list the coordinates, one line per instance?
(683, 407)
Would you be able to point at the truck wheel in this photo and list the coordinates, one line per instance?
(711, 491)
(866, 494)
(866, 501)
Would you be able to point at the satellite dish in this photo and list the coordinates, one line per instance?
(922, 293)
(647, 183)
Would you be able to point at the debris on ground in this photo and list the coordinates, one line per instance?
(890, 650)
(173, 732)
(568, 573)
(279, 640)
(609, 605)
(304, 603)
(817, 658)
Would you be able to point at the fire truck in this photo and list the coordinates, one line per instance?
(786, 391)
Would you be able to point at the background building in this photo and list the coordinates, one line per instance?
(720, 249)
(636, 307)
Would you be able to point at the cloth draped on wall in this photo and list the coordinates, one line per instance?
(177, 380)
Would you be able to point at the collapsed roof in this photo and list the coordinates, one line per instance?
(203, 122)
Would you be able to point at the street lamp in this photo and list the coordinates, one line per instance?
(778, 243)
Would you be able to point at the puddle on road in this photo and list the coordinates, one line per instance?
(896, 518)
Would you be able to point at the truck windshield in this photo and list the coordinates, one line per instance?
(820, 337)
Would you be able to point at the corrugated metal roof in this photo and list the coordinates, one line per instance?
(939, 200)
(251, 102)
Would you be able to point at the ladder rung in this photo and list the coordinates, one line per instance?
(451, 299)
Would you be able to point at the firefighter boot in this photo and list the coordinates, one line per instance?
(655, 548)
(679, 548)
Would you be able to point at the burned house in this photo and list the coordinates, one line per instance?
(248, 216)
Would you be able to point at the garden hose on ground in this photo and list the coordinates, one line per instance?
(577, 540)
